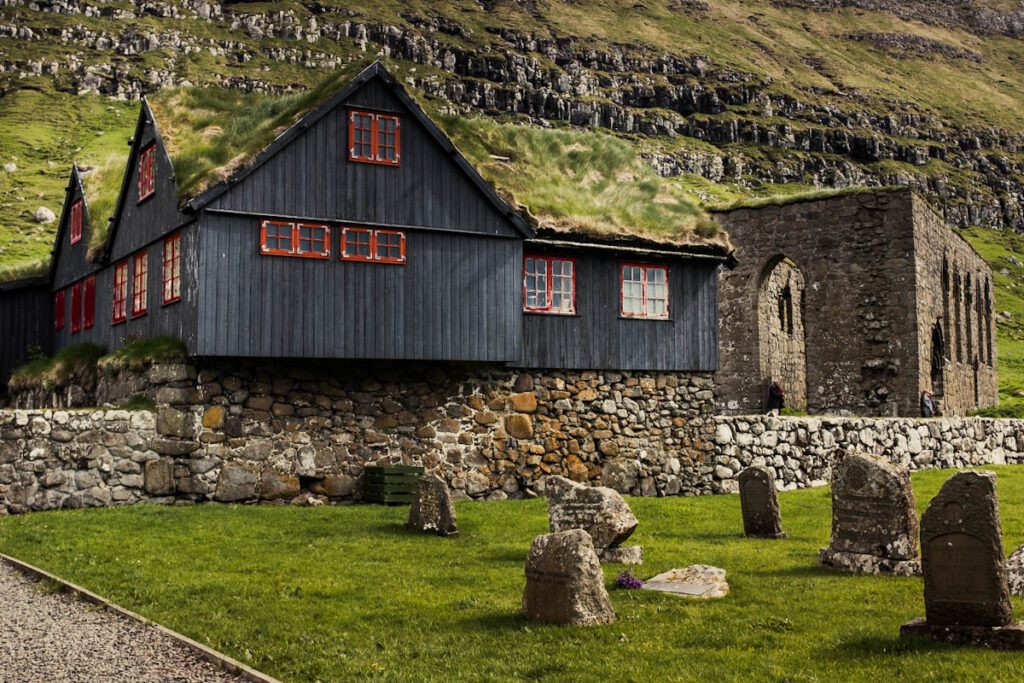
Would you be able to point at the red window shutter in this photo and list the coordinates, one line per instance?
(90, 302)
(58, 310)
(76, 308)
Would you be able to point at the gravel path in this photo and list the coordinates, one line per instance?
(56, 638)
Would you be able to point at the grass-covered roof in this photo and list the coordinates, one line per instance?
(589, 183)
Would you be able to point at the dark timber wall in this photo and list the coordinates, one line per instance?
(140, 223)
(599, 337)
(456, 298)
(173, 320)
(26, 317)
(313, 178)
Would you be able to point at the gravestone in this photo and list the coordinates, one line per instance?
(874, 519)
(432, 509)
(599, 511)
(564, 582)
(759, 503)
(1015, 571)
(966, 596)
(696, 581)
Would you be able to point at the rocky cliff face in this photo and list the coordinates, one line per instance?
(697, 114)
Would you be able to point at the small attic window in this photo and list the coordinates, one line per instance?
(76, 221)
(374, 138)
(147, 172)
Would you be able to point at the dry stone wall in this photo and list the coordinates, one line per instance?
(245, 432)
(801, 451)
(302, 435)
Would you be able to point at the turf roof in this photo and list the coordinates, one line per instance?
(582, 182)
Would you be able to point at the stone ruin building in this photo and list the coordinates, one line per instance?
(855, 304)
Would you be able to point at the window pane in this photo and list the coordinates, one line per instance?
(536, 281)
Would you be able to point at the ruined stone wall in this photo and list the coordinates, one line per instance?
(52, 459)
(856, 256)
(242, 432)
(955, 306)
(782, 352)
(802, 450)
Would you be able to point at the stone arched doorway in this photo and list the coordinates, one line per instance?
(780, 317)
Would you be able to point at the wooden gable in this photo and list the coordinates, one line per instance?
(70, 261)
(309, 173)
(142, 217)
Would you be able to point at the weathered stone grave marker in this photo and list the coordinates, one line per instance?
(759, 503)
(599, 511)
(696, 581)
(966, 596)
(564, 582)
(1015, 571)
(432, 508)
(874, 519)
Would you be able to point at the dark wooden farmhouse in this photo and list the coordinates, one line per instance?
(360, 232)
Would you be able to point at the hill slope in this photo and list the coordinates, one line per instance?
(729, 98)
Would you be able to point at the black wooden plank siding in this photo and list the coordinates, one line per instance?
(597, 337)
(313, 177)
(456, 298)
(175, 320)
(142, 222)
(26, 319)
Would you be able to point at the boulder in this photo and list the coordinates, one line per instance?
(236, 482)
(159, 477)
(564, 582)
(275, 486)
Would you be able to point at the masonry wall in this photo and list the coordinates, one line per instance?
(244, 432)
(855, 254)
(95, 458)
(955, 296)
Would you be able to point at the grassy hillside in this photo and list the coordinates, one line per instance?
(929, 94)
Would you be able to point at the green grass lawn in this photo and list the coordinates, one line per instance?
(345, 593)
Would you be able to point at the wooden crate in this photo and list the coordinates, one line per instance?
(391, 485)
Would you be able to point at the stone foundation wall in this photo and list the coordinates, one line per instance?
(243, 432)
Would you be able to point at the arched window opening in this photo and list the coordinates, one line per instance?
(786, 310)
(938, 359)
(957, 327)
(968, 327)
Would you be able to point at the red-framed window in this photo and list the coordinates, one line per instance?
(549, 284)
(58, 310)
(147, 172)
(76, 308)
(379, 246)
(140, 278)
(172, 269)
(644, 292)
(76, 221)
(374, 138)
(120, 297)
(285, 238)
(89, 305)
